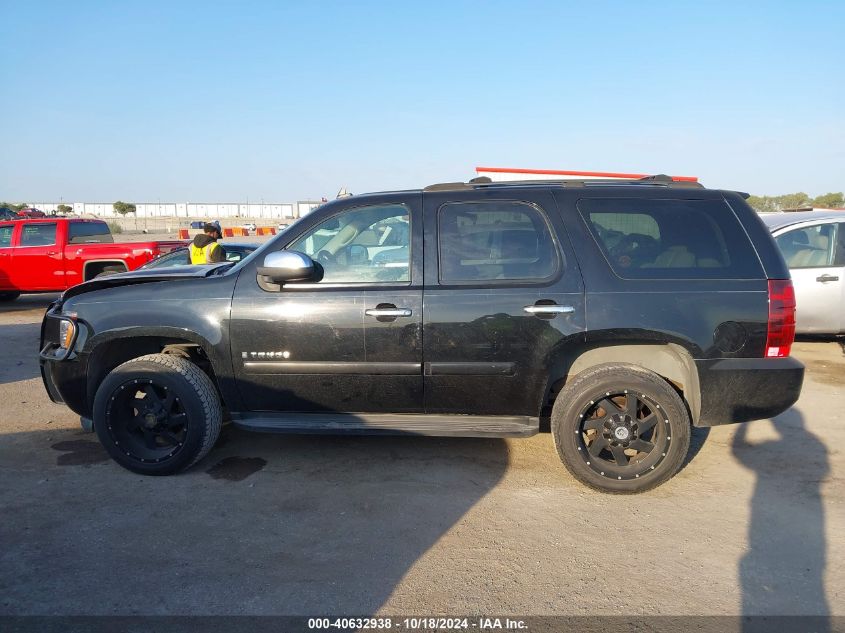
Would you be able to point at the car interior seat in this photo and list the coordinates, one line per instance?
(817, 256)
(519, 252)
(677, 256)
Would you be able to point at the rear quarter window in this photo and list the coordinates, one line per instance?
(89, 233)
(670, 239)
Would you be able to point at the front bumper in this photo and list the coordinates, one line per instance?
(745, 389)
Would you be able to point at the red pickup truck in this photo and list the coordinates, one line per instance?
(53, 254)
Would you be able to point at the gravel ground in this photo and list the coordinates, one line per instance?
(353, 525)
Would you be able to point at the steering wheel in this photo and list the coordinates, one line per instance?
(325, 257)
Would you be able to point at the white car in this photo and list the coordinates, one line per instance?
(813, 245)
(249, 226)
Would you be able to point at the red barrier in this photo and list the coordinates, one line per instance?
(228, 232)
(183, 234)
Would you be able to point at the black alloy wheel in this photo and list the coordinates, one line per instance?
(623, 435)
(146, 420)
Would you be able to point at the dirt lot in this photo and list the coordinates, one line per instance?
(315, 525)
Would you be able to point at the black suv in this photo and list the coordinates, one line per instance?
(616, 313)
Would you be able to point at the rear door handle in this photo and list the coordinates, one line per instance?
(548, 309)
(827, 277)
(388, 312)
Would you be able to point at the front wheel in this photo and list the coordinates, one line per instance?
(158, 414)
(620, 429)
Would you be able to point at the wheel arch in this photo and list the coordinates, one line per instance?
(670, 361)
(94, 267)
(110, 349)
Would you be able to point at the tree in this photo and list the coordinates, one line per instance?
(770, 204)
(763, 204)
(14, 206)
(123, 207)
(794, 200)
(832, 200)
(64, 209)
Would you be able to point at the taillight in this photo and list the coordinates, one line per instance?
(781, 331)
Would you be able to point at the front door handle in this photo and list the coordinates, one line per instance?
(827, 277)
(548, 309)
(389, 312)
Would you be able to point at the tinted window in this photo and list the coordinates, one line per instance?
(496, 240)
(6, 235)
(363, 245)
(670, 239)
(38, 235)
(89, 232)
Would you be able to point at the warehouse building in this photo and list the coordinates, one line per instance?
(274, 210)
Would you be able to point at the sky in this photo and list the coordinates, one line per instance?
(279, 101)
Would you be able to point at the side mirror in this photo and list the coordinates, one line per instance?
(283, 267)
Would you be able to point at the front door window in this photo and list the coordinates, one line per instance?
(369, 244)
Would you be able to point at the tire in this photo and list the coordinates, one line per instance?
(108, 271)
(172, 427)
(606, 418)
(9, 296)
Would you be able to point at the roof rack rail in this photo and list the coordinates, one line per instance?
(657, 180)
(448, 186)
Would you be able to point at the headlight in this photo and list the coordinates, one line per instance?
(67, 330)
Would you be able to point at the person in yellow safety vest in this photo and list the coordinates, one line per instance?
(205, 249)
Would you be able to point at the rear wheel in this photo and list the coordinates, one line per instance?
(620, 429)
(9, 296)
(158, 414)
(108, 271)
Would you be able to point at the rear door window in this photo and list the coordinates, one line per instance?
(38, 234)
(495, 240)
(670, 239)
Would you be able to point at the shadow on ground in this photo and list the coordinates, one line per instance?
(265, 525)
(783, 570)
(816, 338)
